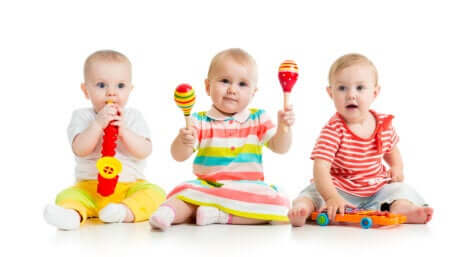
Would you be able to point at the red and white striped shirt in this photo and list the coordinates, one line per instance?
(356, 163)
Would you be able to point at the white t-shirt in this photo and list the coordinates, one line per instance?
(132, 168)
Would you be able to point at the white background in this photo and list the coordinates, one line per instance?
(420, 50)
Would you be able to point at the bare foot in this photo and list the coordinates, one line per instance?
(414, 214)
(300, 211)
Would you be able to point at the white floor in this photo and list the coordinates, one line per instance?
(96, 239)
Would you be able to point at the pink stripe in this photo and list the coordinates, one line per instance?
(258, 130)
(228, 175)
(234, 195)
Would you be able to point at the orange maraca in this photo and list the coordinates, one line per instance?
(185, 98)
(288, 73)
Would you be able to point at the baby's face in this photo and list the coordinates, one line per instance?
(107, 81)
(231, 86)
(353, 90)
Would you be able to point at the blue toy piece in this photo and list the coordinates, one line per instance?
(366, 222)
(322, 219)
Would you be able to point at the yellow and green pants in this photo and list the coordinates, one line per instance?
(142, 198)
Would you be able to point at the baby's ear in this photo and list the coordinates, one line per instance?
(207, 86)
(85, 91)
(254, 91)
(328, 90)
(377, 90)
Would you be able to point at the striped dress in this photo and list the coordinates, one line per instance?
(228, 166)
(356, 163)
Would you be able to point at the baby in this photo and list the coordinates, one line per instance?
(229, 139)
(348, 168)
(107, 85)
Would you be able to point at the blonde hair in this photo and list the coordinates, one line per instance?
(238, 55)
(348, 60)
(106, 56)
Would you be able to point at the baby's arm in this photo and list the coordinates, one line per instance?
(183, 145)
(395, 162)
(138, 146)
(85, 142)
(326, 188)
(281, 141)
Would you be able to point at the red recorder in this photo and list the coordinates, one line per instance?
(108, 166)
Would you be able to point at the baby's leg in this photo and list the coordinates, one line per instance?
(73, 206)
(300, 211)
(173, 211)
(414, 214)
(210, 215)
(62, 218)
(116, 213)
(142, 199)
(406, 201)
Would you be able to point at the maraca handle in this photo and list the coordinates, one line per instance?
(188, 121)
(286, 104)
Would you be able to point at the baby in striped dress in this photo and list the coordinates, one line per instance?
(348, 167)
(228, 141)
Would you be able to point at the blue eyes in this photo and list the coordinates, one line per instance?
(241, 84)
(358, 88)
(103, 85)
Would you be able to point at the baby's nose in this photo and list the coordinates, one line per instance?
(231, 89)
(111, 91)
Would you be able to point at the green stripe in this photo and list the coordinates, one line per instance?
(144, 186)
(228, 152)
(183, 97)
(243, 214)
(76, 194)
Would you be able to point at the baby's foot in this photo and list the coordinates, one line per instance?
(116, 213)
(62, 218)
(419, 215)
(210, 215)
(162, 218)
(298, 215)
(414, 214)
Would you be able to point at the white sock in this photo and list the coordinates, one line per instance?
(67, 219)
(163, 217)
(113, 213)
(209, 215)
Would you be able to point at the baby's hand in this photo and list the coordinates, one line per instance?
(287, 116)
(107, 114)
(335, 204)
(396, 174)
(187, 137)
(119, 121)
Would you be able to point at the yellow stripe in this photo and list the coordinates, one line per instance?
(184, 94)
(227, 152)
(235, 212)
(291, 69)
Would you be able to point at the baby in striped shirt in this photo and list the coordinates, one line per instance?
(348, 167)
(228, 141)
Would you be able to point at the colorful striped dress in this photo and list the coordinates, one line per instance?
(356, 163)
(229, 168)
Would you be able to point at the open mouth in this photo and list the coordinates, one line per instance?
(351, 106)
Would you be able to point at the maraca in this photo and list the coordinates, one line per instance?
(288, 73)
(108, 166)
(185, 99)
